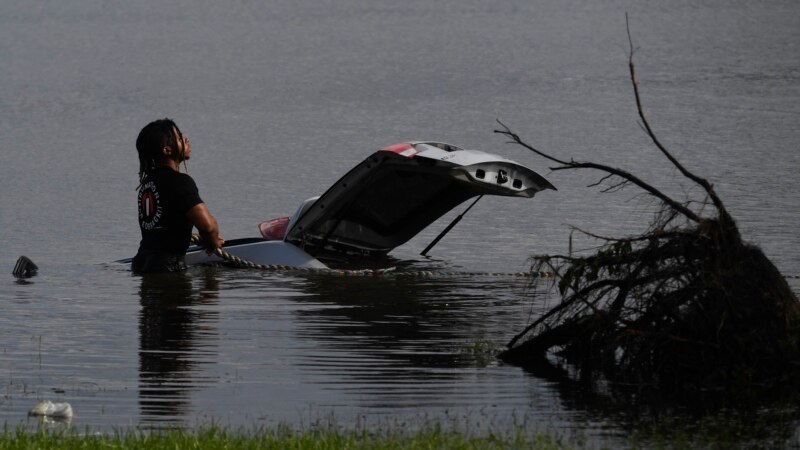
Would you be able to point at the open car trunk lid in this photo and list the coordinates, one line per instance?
(398, 191)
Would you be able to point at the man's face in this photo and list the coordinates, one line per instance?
(184, 150)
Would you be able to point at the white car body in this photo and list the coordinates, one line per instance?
(382, 203)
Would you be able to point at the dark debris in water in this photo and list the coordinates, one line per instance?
(25, 268)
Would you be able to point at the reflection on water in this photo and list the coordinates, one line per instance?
(245, 348)
(415, 321)
(175, 337)
(394, 345)
(755, 419)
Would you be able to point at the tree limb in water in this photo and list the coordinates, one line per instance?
(685, 302)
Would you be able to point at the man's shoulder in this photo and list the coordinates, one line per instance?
(170, 175)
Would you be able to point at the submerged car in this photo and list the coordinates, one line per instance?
(380, 204)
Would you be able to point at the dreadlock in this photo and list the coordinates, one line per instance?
(154, 136)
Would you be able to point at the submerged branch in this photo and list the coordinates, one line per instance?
(687, 302)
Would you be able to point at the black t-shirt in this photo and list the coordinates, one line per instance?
(164, 198)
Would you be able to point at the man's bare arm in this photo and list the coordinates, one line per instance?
(207, 225)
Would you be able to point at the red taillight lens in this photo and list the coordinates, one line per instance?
(275, 229)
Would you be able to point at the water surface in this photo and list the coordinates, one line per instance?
(282, 98)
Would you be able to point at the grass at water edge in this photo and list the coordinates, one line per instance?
(280, 438)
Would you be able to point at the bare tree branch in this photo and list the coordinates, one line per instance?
(635, 82)
(687, 302)
(608, 169)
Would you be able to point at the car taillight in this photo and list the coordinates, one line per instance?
(275, 229)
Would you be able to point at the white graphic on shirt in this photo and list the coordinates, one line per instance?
(149, 206)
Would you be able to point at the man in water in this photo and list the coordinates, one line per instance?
(169, 203)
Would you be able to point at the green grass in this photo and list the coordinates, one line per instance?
(480, 350)
(282, 438)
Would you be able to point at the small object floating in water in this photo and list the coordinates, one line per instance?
(47, 408)
(25, 268)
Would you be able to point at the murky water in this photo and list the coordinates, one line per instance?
(282, 98)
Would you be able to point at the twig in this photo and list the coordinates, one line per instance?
(601, 167)
(635, 82)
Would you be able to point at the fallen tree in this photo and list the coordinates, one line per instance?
(687, 303)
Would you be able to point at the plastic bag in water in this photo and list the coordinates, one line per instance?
(50, 409)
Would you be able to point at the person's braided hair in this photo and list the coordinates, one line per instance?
(154, 136)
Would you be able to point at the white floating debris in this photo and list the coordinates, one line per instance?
(50, 409)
